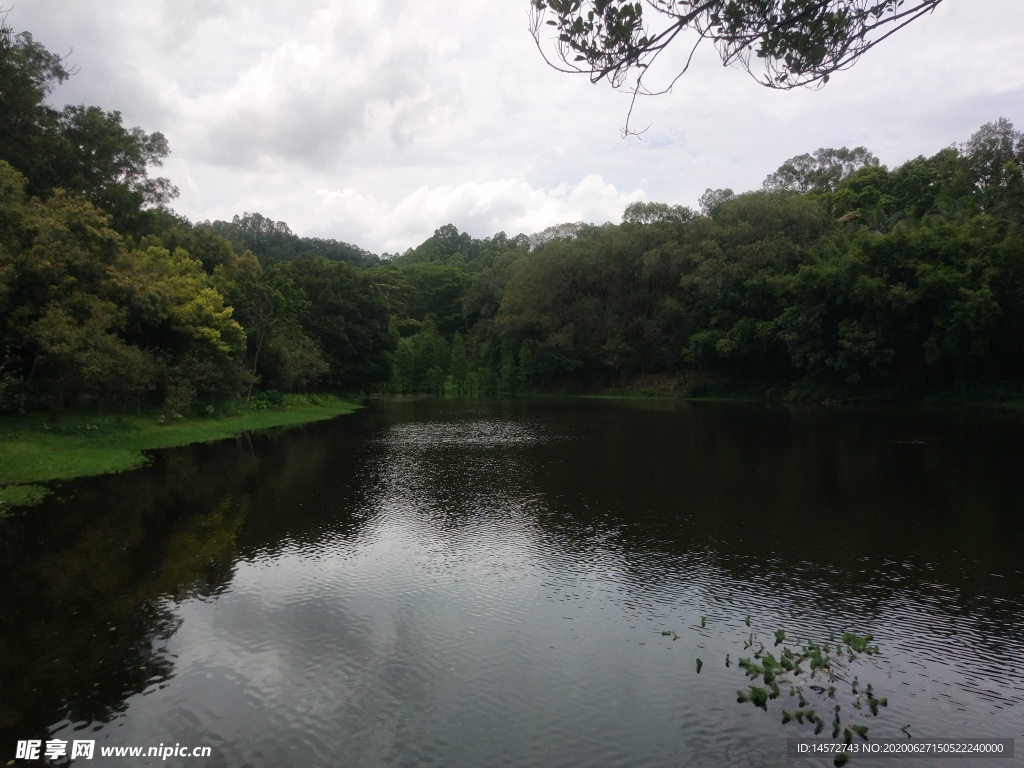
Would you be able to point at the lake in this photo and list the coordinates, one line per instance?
(524, 583)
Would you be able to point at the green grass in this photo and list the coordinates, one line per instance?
(34, 451)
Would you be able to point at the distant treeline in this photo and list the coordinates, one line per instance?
(274, 241)
(840, 275)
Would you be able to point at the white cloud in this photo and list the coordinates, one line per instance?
(480, 208)
(377, 122)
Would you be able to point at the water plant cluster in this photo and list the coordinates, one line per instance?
(819, 670)
(814, 676)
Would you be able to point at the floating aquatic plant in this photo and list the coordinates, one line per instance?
(755, 695)
(829, 660)
(768, 672)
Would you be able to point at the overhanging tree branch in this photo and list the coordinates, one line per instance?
(782, 44)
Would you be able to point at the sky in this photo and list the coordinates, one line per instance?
(375, 123)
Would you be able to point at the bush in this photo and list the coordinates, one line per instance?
(263, 401)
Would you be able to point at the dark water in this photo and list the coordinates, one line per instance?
(487, 584)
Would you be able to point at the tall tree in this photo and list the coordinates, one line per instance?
(267, 304)
(651, 213)
(28, 73)
(994, 158)
(108, 164)
(821, 172)
(83, 150)
(459, 364)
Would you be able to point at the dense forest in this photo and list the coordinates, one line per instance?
(839, 276)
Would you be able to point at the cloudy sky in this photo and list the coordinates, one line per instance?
(377, 122)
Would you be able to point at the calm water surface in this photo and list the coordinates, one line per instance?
(487, 584)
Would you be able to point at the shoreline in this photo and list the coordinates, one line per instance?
(34, 452)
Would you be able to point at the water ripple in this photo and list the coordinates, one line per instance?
(467, 598)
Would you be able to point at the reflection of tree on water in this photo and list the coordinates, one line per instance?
(813, 517)
(87, 587)
(89, 581)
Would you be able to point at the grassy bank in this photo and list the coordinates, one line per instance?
(34, 451)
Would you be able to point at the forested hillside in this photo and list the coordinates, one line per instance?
(838, 276)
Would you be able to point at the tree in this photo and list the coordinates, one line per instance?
(347, 316)
(108, 164)
(994, 158)
(446, 246)
(780, 43)
(58, 324)
(405, 367)
(651, 213)
(527, 372)
(82, 315)
(565, 231)
(876, 197)
(509, 374)
(83, 150)
(431, 358)
(819, 173)
(265, 238)
(459, 364)
(415, 290)
(713, 199)
(266, 302)
(29, 73)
